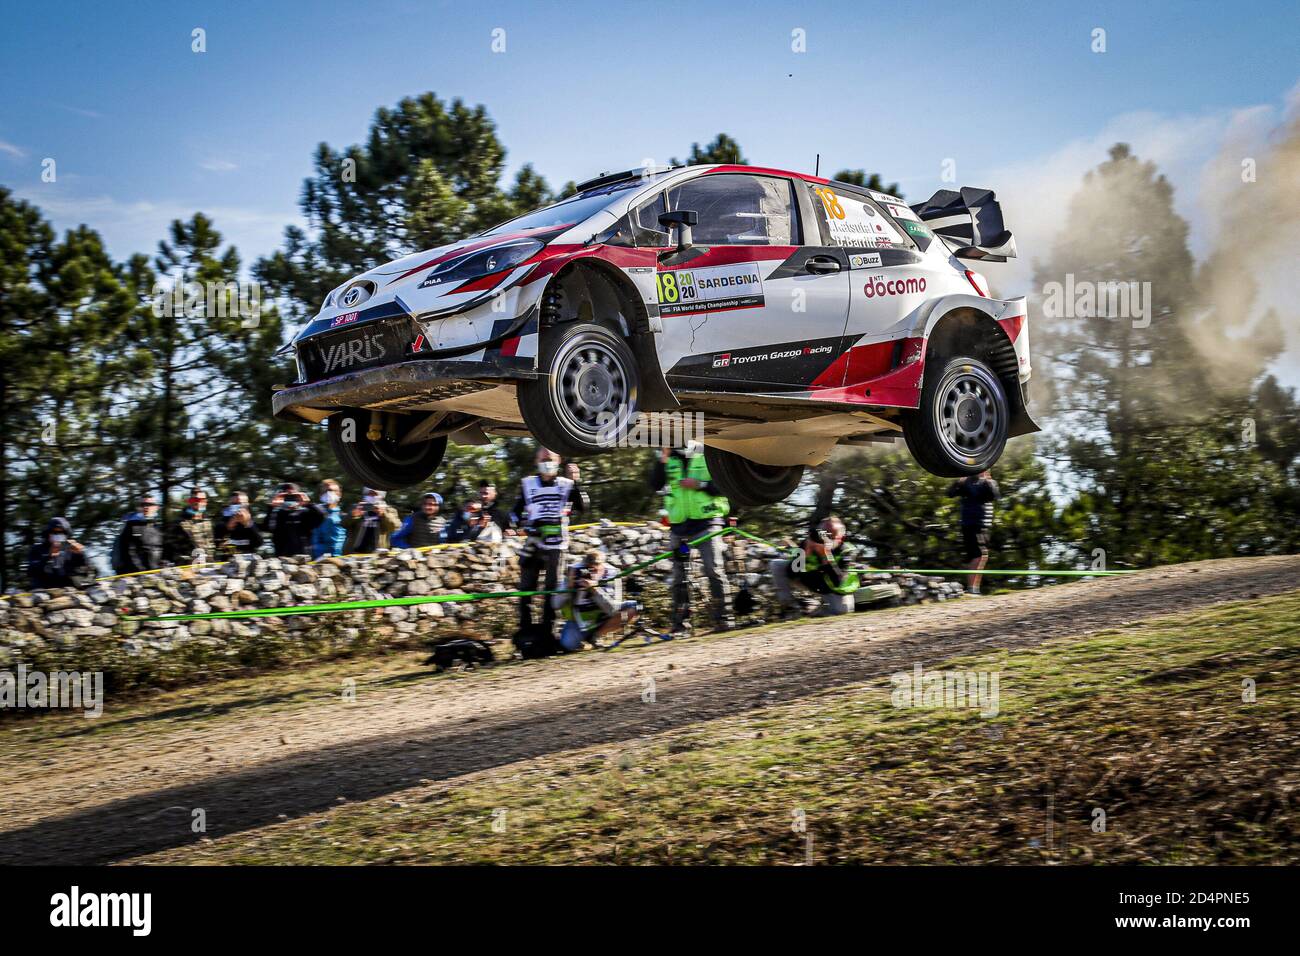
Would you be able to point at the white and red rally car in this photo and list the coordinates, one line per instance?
(781, 313)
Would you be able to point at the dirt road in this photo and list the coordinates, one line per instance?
(109, 794)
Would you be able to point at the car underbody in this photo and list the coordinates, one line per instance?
(438, 394)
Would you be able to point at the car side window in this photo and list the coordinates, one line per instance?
(646, 230)
(854, 219)
(738, 209)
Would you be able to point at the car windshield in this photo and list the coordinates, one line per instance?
(569, 212)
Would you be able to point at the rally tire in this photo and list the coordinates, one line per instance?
(586, 397)
(383, 464)
(960, 426)
(747, 484)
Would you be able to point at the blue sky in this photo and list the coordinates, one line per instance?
(144, 130)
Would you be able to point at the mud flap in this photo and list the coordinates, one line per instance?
(656, 394)
(1021, 423)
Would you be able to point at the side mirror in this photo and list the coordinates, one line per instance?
(683, 219)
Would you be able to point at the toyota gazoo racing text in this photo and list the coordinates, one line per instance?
(787, 313)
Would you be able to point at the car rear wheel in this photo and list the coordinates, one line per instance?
(960, 427)
(586, 398)
(383, 463)
(747, 484)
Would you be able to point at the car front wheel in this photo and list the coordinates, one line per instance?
(384, 463)
(586, 397)
(960, 427)
(747, 484)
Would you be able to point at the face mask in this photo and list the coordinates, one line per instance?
(58, 538)
(548, 469)
(329, 498)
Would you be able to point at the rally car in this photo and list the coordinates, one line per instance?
(772, 314)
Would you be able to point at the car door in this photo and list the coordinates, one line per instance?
(886, 273)
(749, 306)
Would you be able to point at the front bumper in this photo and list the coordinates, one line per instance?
(398, 386)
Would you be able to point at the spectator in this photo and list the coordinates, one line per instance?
(695, 508)
(371, 523)
(424, 526)
(977, 495)
(329, 536)
(189, 540)
(57, 561)
(542, 512)
(236, 532)
(821, 567)
(480, 526)
(472, 523)
(487, 494)
(139, 545)
(290, 521)
(592, 602)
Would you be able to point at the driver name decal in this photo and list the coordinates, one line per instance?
(710, 289)
(852, 222)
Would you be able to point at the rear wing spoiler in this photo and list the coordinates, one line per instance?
(969, 222)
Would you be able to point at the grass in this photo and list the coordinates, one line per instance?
(1146, 724)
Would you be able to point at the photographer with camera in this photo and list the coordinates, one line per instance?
(56, 561)
(290, 521)
(592, 602)
(236, 532)
(371, 523)
(542, 513)
(479, 525)
(821, 566)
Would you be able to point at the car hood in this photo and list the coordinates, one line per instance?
(397, 287)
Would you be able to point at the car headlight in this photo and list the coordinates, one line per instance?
(484, 262)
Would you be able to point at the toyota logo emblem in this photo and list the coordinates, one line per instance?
(352, 296)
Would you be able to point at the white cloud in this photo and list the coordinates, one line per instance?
(131, 227)
(218, 165)
(10, 149)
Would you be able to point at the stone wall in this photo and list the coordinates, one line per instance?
(63, 625)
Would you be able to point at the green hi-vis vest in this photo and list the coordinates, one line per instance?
(691, 504)
(849, 582)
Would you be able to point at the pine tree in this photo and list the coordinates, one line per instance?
(63, 310)
(1151, 449)
(859, 177)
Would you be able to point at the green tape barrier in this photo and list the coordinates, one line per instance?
(1027, 572)
(496, 595)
